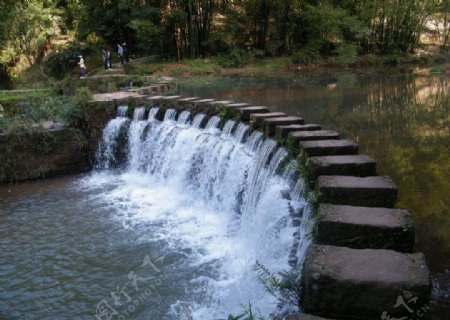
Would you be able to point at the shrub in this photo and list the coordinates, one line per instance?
(62, 62)
(346, 54)
(307, 55)
(235, 58)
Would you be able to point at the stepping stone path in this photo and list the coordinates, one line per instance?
(361, 262)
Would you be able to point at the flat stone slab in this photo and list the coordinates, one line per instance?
(329, 147)
(118, 95)
(203, 101)
(188, 99)
(364, 227)
(271, 123)
(348, 165)
(219, 103)
(363, 284)
(154, 100)
(257, 118)
(297, 136)
(237, 105)
(376, 191)
(247, 111)
(281, 131)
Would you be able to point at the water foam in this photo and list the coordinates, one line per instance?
(212, 196)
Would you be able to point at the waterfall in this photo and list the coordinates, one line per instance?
(218, 195)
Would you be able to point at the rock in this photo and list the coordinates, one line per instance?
(364, 227)
(349, 165)
(47, 125)
(376, 191)
(346, 283)
(270, 124)
(281, 131)
(328, 147)
(246, 111)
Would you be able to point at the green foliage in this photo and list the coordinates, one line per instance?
(59, 63)
(307, 55)
(226, 113)
(235, 58)
(346, 54)
(247, 315)
(284, 285)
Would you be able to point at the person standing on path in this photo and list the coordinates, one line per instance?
(120, 53)
(105, 58)
(125, 52)
(82, 67)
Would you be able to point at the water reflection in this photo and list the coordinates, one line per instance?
(402, 121)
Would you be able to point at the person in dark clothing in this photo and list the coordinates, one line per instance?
(105, 58)
(126, 54)
(120, 53)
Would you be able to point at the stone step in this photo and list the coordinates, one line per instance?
(244, 113)
(304, 316)
(270, 124)
(282, 131)
(328, 147)
(187, 101)
(256, 119)
(294, 138)
(363, 227)
(375, 191)
(348, 165)
(154, 100)
(169, 101)
(238, 105)
(214, 107)
(203, 106)
(347, 283)
(148, 89)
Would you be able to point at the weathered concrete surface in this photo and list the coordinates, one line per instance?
(237, 105)
(348, 165)
(214, 107)
(328, 147)
(118, 95)
(282, 131)
(244, 113)
(377, 191)
(269, 124)
(42, 154)
(256, 119)
(363, 227)
(297, 136)
(304, 316)
(186, 101)
(153, 100)
(346, 283)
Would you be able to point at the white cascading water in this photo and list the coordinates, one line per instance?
(220, 194)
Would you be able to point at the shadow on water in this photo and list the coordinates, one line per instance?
(402, 121)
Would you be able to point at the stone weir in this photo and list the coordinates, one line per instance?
(54, 149)
(362, 264)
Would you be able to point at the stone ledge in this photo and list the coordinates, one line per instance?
(281, 131)
(349, 165)
(371, 282)
(270, 124)
(363, 227)
(375, 191)
(246, 111)
(329, 147)
(256, 119)
(296, 136)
